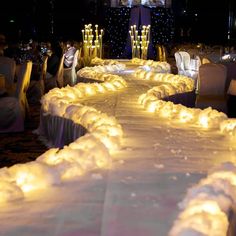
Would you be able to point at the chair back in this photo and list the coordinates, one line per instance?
(211, 87)
(179, 63)
(212, 78)
(76, 57)
(231, 74)
(195, 63)
(186, 59)
(8, 69)
(205, 60)
(23, 84)
(43, 74)
(161, 52)
(60, 73)
(199, 62)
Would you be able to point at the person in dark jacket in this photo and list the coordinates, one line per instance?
(54, 59)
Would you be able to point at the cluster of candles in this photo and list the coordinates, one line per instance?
(92, 43)
(140, 43)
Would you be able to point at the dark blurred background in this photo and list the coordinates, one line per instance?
(206, 21)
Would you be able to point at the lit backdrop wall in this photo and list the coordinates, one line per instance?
(119, 19)
(129, 3)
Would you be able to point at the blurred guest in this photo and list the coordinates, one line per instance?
(35, 53)
(13, 51)
(3, 44)
(69, 54)
(54, 59)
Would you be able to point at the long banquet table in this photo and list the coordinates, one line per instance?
(139, 195)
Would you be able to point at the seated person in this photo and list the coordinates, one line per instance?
(69, 54)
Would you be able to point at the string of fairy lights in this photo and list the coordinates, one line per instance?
(162, 22)
(117, 28)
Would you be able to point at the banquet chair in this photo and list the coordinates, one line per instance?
(70, 76)
(183, 63)
(231, 74)
(15, 108)
(161, 52)
(179, 63)
(37, 87)
(206, 60)
(8, 69)
(230, 88)
(58, 79)
(43, 74)
(186, 59)
(199, 62)
(232, 99)
(195, 67)
(211, 87)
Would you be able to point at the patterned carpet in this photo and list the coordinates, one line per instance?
(24, 146)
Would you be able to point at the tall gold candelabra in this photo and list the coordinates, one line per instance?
(140, 43)
(92, 43)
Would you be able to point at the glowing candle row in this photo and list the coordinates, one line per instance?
(140, 43)
(92, 43)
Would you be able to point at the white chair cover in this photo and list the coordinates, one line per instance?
(13, 109)
(195, 63)
(183, 63)
(179, 63)
(211, 87)
(194, 68)
(186, 59)
(70, 76)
